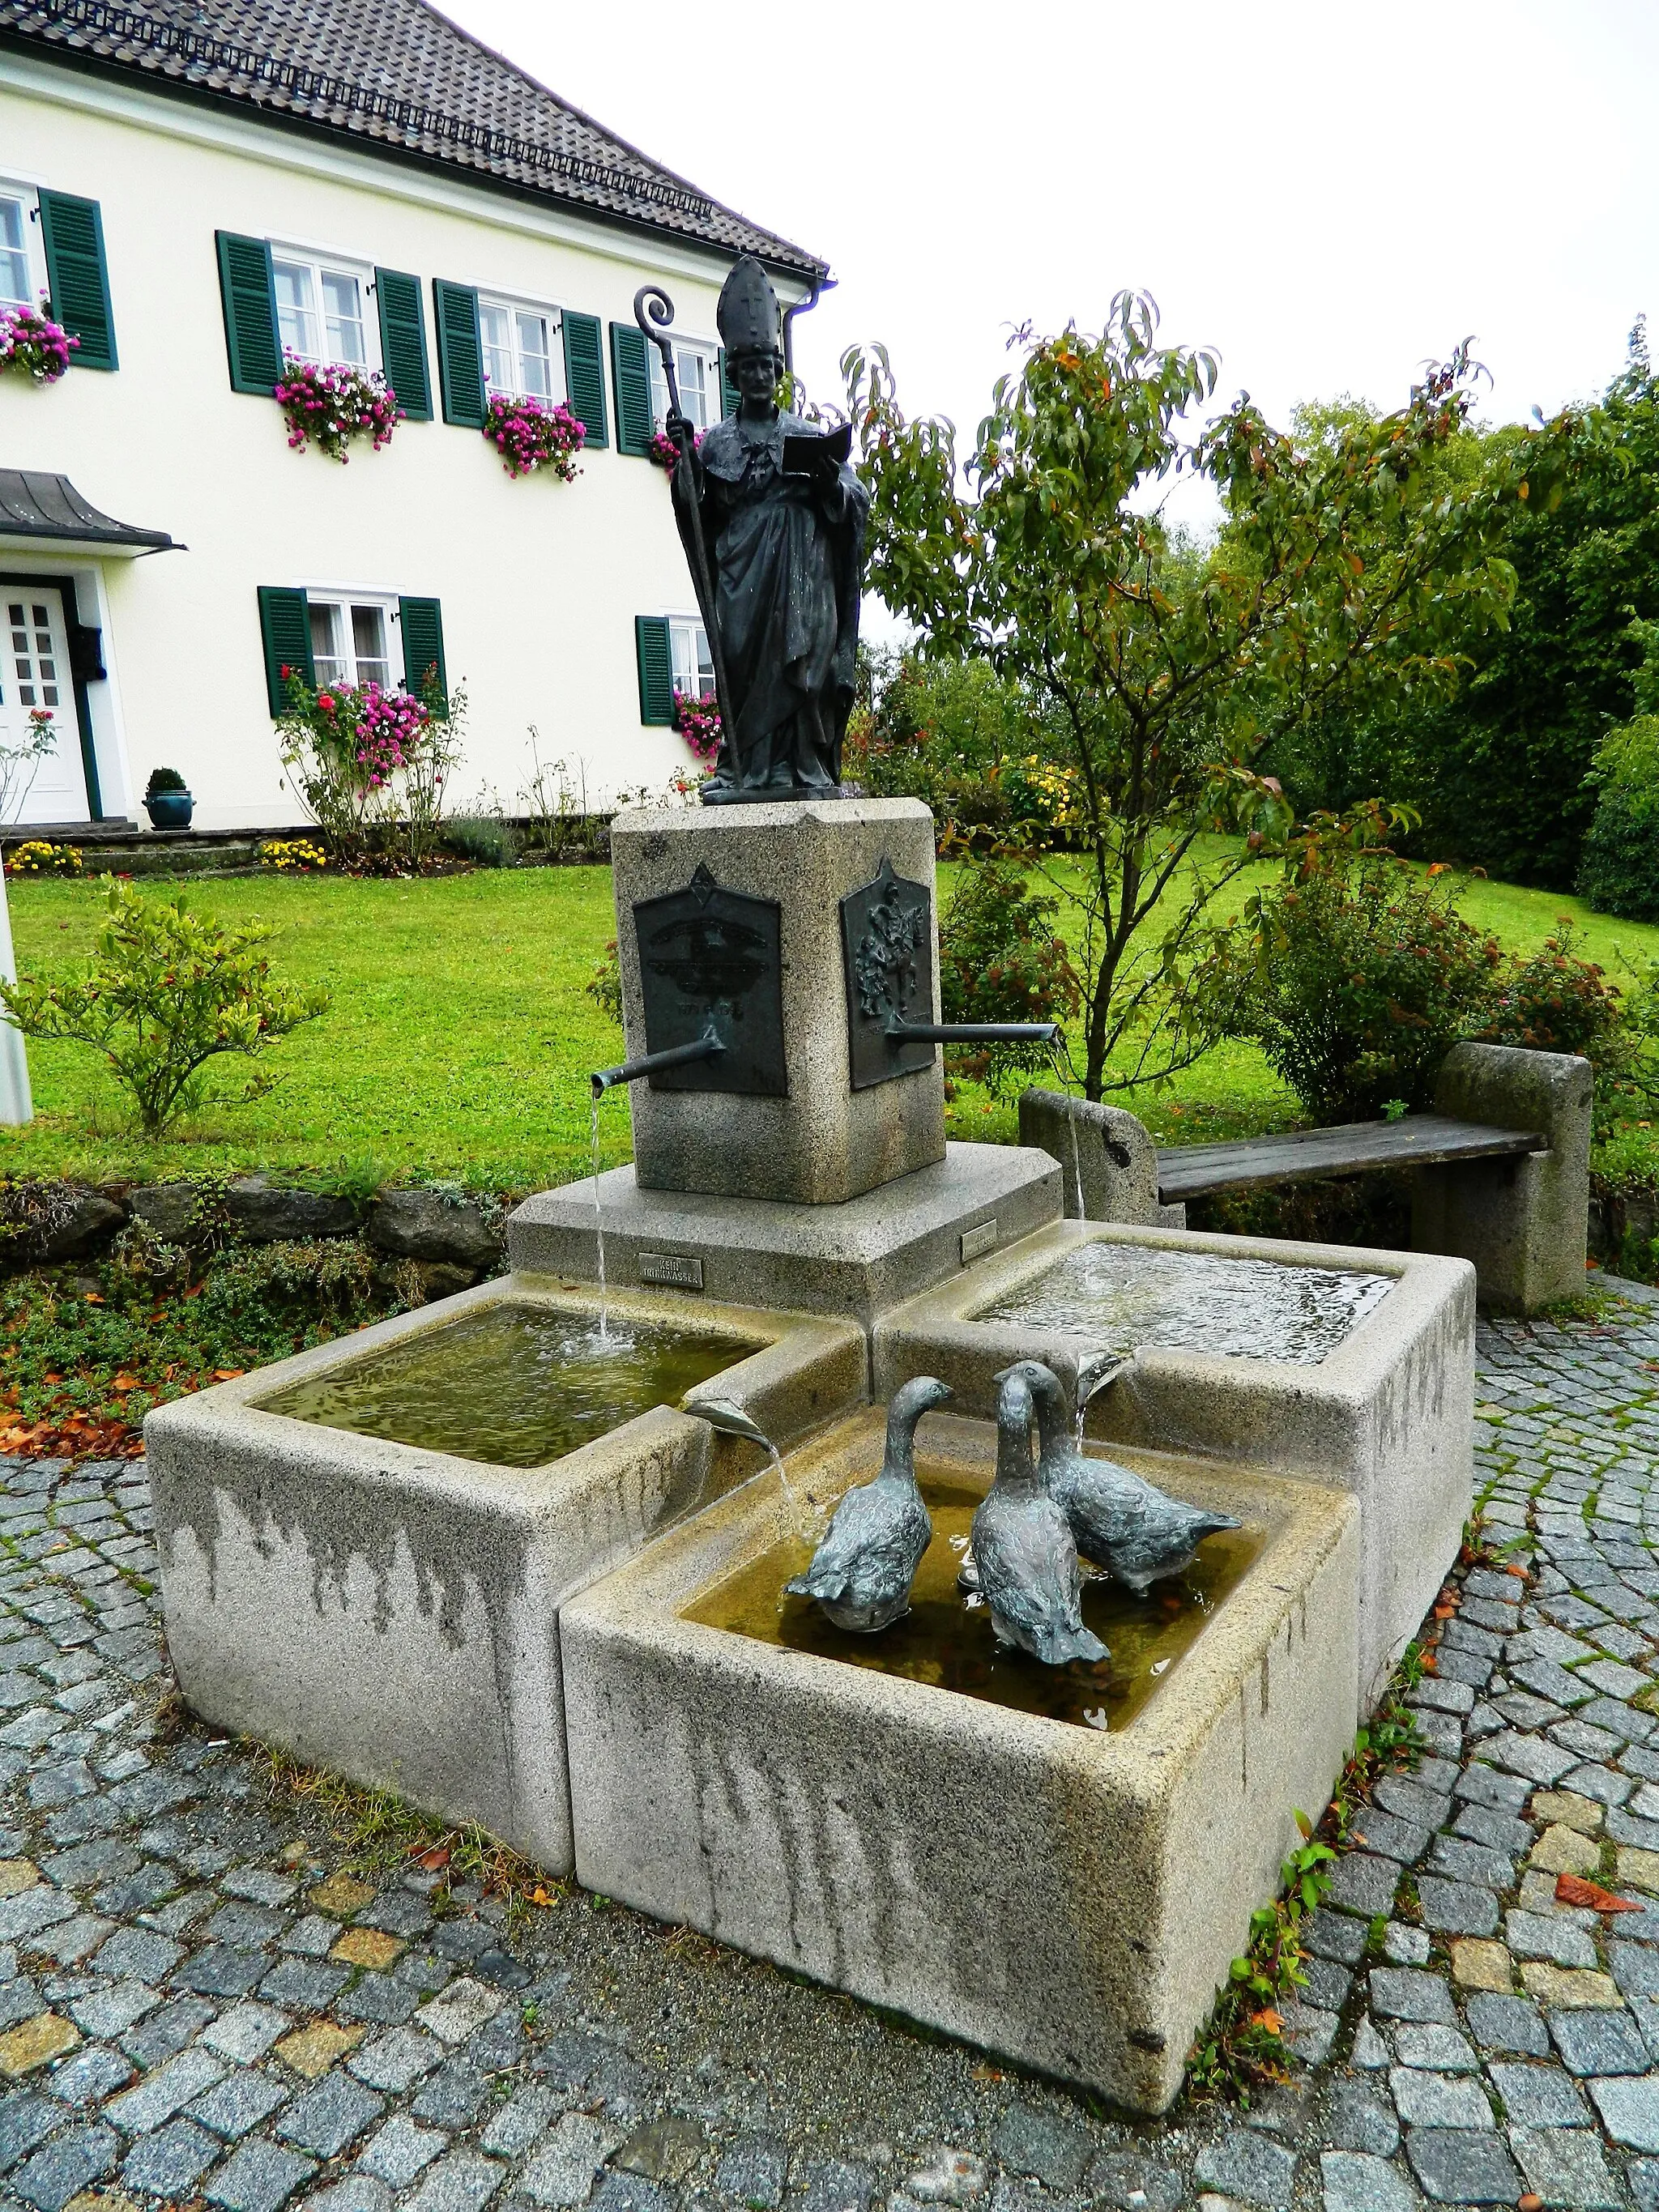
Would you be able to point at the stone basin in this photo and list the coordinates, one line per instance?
(1066, 1895)
(388, 1609)
(1379, 1400)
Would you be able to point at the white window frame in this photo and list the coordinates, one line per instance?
(319, 261)
(683, 632)
(709, 351)
(515, 304)
(34, 252)
(342, 600)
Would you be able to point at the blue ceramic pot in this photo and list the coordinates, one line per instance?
(170, 810)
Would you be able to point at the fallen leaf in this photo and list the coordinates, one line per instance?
(436, 1857)
(227, 1374)
(1444, 1611)
(1520, 1573)
(1573, 1889)
(1268, 2019)
(124, 1381)
(539, 1896)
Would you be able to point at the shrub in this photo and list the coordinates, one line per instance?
(1000, 960)
(36, 857)
(484, 839)
(529, 435)
(261, 1292)
(1356, 982)
(167, 991)
(1619, 871)
(603, 985)
(162, 779)
(1553, 1000)
(373, 767)
(333, 403)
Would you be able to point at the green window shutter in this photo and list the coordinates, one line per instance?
(247, 293)
(285, 629)
(584, 374)
(72, 232)
(656, 671)
(422, 624)
(632, 371)
(402, 342)
(729, 393)
(460, 354)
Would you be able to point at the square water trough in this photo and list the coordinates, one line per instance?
(1372, 1389)
(389, 1610)
(1067, 1896)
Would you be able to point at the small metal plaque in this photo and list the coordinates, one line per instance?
(678, 1270)
(979, 1240)
(708, 954)
(887, 942)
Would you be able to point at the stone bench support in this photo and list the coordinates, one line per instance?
(1108, 1161)
(1522, 1221)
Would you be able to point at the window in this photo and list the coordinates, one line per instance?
(697, 368)
(321, 309)
(693, 664)
(522, 356)
(350, 641)
(33, 657)
(18, 284)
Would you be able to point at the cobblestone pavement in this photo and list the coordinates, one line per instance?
(196, 2003)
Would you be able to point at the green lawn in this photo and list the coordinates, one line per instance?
(458, 1045)
(460, 1038)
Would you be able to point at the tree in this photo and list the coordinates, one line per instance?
(1161, 671)
(1503, 766)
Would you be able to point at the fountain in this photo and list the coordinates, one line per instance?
(1056, 1865)
(520, 1555)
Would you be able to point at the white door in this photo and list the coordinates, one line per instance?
(34, 677)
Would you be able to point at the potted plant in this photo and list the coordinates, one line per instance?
(167, 799)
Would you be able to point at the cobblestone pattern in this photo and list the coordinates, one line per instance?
(198, 2005)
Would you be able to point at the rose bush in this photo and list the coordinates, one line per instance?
(373, 767)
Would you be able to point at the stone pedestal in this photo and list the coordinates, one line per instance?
(820, 1141)
(857, 1258)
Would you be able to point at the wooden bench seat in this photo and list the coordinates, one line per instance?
(1420, 1140)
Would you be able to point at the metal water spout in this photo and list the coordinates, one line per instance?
(1097, 1370)
(901, 1032)
(729, 1418)
(708, 1046)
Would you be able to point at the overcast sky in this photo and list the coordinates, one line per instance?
(1329, 194)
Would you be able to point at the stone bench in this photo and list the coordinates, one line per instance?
(1500, 1169)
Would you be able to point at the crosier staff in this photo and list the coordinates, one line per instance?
(652, 307)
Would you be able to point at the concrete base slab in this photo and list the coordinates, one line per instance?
(390, 1612)
(858, 1258)
(1069, 1897)
(1387, 1415)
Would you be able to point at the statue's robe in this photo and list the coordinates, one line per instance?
(787, 554)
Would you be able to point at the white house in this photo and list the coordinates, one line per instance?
(196, 186)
